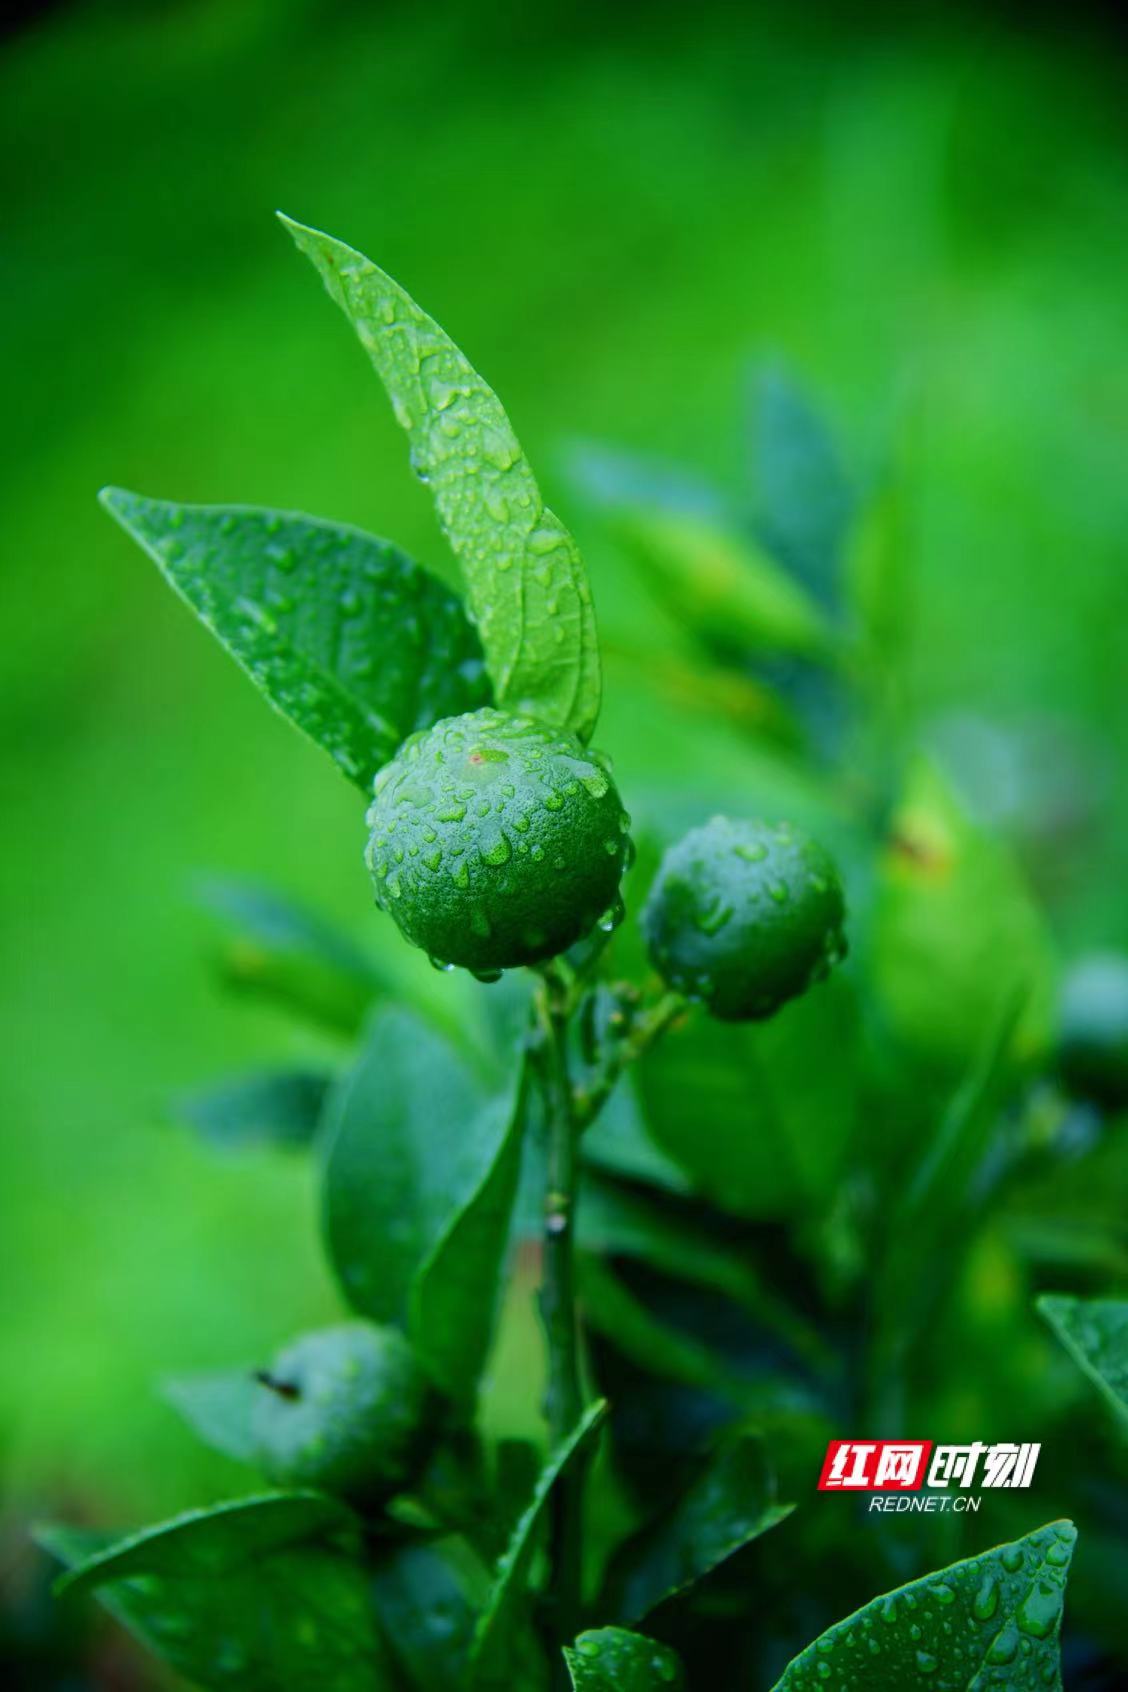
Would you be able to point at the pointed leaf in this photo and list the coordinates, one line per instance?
(276, 947)
(498, 1628)
(346, 636)
(420, 1177)
(609, 1659)
(219, 1407)
(1095, 1333)
(262, 1595)
(280, 1107)
(992, 1620)
(525, 579)
(729, 1504)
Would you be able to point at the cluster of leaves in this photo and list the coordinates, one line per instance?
(770, 1249)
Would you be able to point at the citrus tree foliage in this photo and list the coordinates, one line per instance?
(759, 1206)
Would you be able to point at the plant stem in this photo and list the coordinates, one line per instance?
(651, 1024)
(564, 1396)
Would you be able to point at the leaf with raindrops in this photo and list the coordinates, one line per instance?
(258, 1594)
(526, 582)
(345, 635)
(500, 1637)
(993, 1621)
(1095, 1333)
(609, 1659)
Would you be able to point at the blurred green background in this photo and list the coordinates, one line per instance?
(616, 215)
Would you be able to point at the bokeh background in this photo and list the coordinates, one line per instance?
(619, 215)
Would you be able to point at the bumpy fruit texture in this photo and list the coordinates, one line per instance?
(347, 1409)
(496, 840)
(744, 916)
(1093, 1038)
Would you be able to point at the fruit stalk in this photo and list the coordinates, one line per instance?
(564, 1396)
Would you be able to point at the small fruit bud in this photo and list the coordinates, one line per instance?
(1093, 1029)
(347, 1409)
(744, 916)
(496, 840)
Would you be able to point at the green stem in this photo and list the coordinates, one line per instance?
(564, 1396)
(648, 1027)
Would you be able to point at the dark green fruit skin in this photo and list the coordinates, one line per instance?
(347, 1409)
(744, 917)
(496, 840)
(1093, 1029)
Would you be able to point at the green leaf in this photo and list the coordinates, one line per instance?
(420, 1179)
(525, 579)
(280, 1107)
(618, 1223)
(455, 1294)
(345, 635)
(427, 1596)
(760, 1129)
(609, 1659)
(653, 1344)
(994, 1620)
(498, 1632)
(956, 934)
(219, 1407)
(618, 1141)
(729, 1504)
(262, 1595)
(804, 502)
(1095, 1333)
(721, 585)
(276, 947)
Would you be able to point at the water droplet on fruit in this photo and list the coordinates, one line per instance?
(612, 917)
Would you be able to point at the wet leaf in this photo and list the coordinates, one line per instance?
(730, 1503)
(993, 1621)
(345, 635)
(1095, 1333)
(609, 1659)
(262, 1595)
(526, 582)
(500, 1630)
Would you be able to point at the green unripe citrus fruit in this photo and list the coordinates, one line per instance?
(496, 840)
(744, 916)
(347, 1409)
(1093, 1028)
